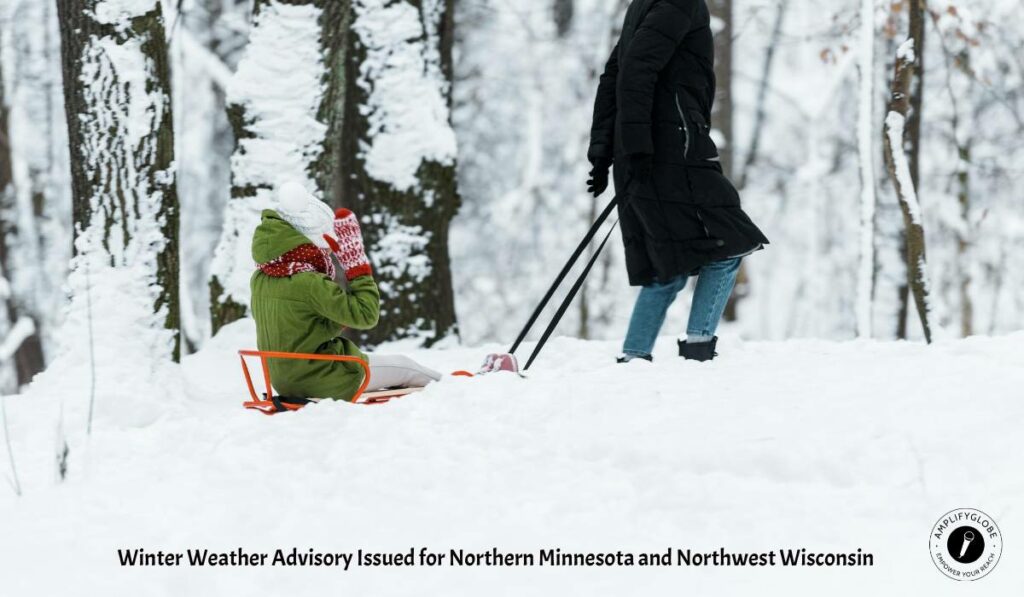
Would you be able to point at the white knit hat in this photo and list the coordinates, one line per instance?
(307, 214)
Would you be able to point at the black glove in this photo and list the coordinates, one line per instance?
(598, 182)
(641, 167)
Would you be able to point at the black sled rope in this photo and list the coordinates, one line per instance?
(558, 282)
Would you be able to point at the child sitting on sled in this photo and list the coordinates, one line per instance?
(299, 307)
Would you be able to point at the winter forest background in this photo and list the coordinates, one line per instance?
(459, 127)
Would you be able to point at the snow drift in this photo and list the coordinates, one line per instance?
(832, 447)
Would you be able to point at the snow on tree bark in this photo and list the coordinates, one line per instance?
(205, 46)
(900, 173)
(24, 352)
(916, 10)
(117, 100)
(273, 106)
(392, 150)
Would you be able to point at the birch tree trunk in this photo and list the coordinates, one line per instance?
(117, 100)
(963, 135)
(866, 271)
(32, 289)
(391, 151)
(27, 359)
(899, 171)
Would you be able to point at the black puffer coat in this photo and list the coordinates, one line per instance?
(655, 98)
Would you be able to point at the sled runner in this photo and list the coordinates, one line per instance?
(269, 404)
(279, 404)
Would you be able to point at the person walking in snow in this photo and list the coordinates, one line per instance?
(299, 307)
(680, 215)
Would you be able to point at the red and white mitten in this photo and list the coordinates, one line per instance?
(349, 246)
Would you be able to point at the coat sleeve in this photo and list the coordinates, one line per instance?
(357, 308)
(655, 41)
(602, 133)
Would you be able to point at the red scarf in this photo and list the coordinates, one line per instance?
(304, 258)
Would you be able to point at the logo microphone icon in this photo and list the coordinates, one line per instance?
(968, 537)
(965, 544)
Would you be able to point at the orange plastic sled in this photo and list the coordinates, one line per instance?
(271, 404)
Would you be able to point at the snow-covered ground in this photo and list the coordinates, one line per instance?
(803, 444)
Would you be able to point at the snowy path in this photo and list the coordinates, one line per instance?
(827, 446)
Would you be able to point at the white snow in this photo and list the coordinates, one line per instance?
(406, 106)
(279, 82)
(895, 123)
(113, 281)
(832, 446)
(118, 12)
(232, 259)
(906, 51)
(400, 252)
(828, 446)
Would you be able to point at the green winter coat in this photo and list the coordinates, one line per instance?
(306, 313)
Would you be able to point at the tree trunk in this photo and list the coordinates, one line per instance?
(963, 135)
(117, 100)
(963, 239)
(742, 288)
(866, 270)
(205, 46)
(899, 172)
(393, 153)
(722, 117)
(761, 109)
(28, 357)
(917, 33)
(563, 12)
(277, 132)
(386, 150)
(722, 112)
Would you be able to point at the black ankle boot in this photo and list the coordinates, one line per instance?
(623, 359)
(700, 351)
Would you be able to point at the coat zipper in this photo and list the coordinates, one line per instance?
(686, 127)
(686, 155)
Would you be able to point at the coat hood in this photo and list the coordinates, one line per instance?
(275, 237)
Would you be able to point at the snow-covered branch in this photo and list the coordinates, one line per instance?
(211, 64)
(19, 332)
(903, 181)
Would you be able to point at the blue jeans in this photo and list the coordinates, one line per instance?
(714, 286)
